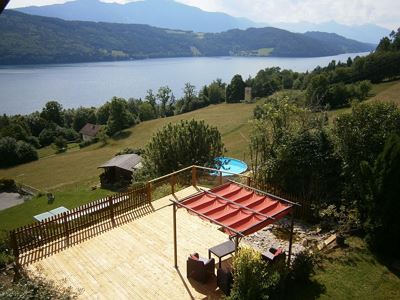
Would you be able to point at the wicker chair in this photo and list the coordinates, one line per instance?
(200, 269)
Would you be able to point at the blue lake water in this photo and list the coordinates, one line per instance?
(24, 89)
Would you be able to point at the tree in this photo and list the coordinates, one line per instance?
(381, 195)
(360, 136)
(103, 113)
(317, 90)
(82, 116)
(119, 117)
(151, 98)
(216, 92)
(235, 90)
(189, 98)
(164, 95)
(177, 146)
(53, 112)
(146, 112)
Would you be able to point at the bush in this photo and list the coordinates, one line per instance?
(303, 267)
(5, 252)
(34, 141)
(47, 136)
(137, 151)
(7, 184)
(26, 152)
(251, 278)
(36, 288)
(13, 152)
(88, 143)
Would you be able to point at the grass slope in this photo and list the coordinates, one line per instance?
(74, 167)
(349, 273)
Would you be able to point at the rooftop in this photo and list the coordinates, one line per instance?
(90, 129)
(127, 162)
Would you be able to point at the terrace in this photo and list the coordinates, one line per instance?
(124, 245)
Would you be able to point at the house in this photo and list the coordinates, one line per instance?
(120, 169)
(89, 131)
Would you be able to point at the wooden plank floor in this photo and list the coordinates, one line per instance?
(135, 260)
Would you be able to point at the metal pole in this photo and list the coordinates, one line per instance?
(175, 242)
(291, 238)
(236, 243)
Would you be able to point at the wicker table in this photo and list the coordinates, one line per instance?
(222, 250)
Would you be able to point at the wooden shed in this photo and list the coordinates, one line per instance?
(120, 169)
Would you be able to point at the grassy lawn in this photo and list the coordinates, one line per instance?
(349, 273)
(75, 167)
(70, 197)
(52, 150)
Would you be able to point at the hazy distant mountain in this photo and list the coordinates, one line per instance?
(29, 39)
(368, 33)
(159, 13)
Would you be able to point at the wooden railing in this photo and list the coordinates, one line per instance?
(40, 239)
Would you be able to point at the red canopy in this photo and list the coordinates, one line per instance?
(237, 208)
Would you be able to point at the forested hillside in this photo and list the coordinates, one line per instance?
(27, 39)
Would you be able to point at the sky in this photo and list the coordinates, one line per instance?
(385, 13)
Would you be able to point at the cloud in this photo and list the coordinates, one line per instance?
(355, 12)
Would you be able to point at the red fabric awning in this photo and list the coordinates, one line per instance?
(237, 207)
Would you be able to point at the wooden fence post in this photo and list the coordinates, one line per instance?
(111, 205)
(65, 221)
(172, 181)
(149, 192)
(248, 181)
(220, 178)
(14, 244)
(194, 176)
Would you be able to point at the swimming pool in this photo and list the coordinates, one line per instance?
(230, 164)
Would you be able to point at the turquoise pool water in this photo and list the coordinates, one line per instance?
(232, 165)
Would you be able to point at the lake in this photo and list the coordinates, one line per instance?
(25, 89)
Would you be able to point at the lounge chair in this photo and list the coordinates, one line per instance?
(199, 268)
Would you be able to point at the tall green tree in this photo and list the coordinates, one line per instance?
(164, 95)
(381, 195)
(177, 146)
(53, 112)
(235, 90)
(119, 117)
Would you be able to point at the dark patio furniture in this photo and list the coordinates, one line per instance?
(225, 281)
(200, 269)
(222, 250)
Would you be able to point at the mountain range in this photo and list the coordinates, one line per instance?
(29, 39)
(171, 14)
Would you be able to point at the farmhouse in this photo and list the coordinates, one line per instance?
(89, 131)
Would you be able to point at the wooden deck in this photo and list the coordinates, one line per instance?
(135, 260)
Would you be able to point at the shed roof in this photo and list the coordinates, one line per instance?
(127, 162)
(90, 129)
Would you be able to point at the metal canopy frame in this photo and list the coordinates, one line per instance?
(237, 234)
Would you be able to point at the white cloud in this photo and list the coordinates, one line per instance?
(383, 12)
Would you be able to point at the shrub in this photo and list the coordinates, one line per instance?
(47, 136)
(88, 143)
(137, 151)
(303, 267)
(5, 252)
(13, 152)
(36, 288)
(26, 152)
(34, 141)
(7, 184)
(251, 278)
